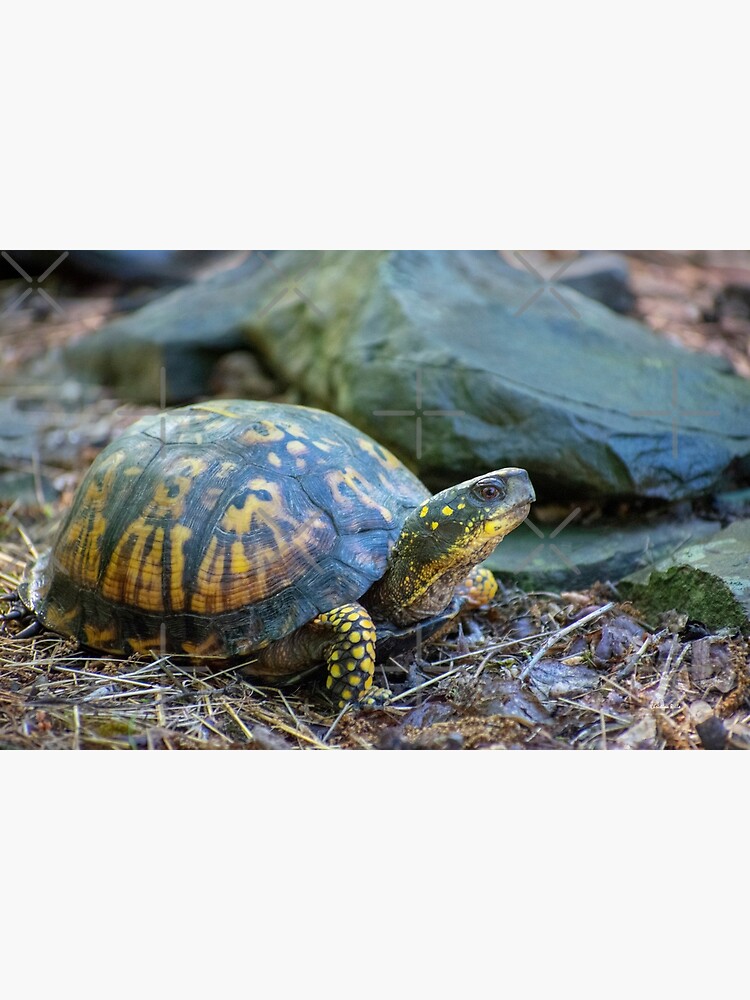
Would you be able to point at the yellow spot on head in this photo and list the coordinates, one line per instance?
(434, 525)
(335, 670)
(423, 512)
(359, 652)
(447, 511)
(354, 637)
(296, 448)
(461, 506)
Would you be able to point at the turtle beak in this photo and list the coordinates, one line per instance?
(520, 491)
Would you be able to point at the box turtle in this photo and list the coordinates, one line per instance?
(270, 536)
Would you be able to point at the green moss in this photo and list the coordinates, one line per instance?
(691, 591)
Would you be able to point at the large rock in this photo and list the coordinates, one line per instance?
(486, 370)
(708, 580)
(580, 555)
(184, 333)
(604, 277)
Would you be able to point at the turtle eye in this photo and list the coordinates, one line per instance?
(489, 491)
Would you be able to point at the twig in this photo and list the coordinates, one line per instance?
(555, 637)
(429, 683)
(203, 722)
(336, 721)
(240, 723)
(630, 666)
(277, 723)
(289, 709)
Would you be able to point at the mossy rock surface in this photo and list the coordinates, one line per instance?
(708, 580)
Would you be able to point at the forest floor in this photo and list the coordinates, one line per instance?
(574, 670)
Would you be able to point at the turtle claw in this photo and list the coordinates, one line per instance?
(17, 612)
(31, 630)
(376, 697)
(14, 615)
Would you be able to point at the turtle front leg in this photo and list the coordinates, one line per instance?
(344, 638)
(479, 587)
(350, 655)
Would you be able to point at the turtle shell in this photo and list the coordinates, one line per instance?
(215, 529)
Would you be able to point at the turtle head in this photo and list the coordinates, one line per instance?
(466, 517)
(444, 539)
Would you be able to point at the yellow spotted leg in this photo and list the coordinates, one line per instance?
(342, 638)
(350, 656)
(479, 587)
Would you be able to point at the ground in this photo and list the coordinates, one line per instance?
(537, 671)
